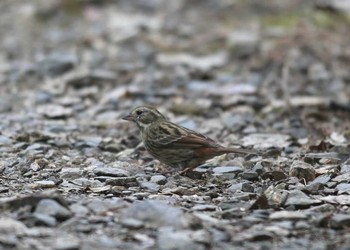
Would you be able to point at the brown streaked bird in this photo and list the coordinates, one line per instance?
(174, 145)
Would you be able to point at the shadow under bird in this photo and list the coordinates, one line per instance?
(174, 145)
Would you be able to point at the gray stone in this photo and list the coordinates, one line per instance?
(42, 96)
(302, 170)
(44, 220)
(122, 181)
(66, 243)
(202, 236)
(342, 178)
(264, 140)
(324, 208)
(54, 111)
(149, 186)
(227, 169)
(5, 141)
(57, 63)
(333, 156)
(345, 169)
(155, 213)
(343, 199)
(79, 210)
(52, 208)
(44, 184)
(88, 142)
(288, 215)
(258, 168)
(340, 221)
(70, 173)
(322, 179)
(243, 186)
(11, 226)
(97, 206)
(204, 207)
(111, 171)
(249, 175)
(35, 149)
(35, 166)
(298, 198)
(302, 225)
(168, 239)
(132, 223)
(108, 242)
(343, 188)
(10, 241)
(159, 179)
(275, 196)
(314, 187)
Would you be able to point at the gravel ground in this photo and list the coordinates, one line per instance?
(271, 76)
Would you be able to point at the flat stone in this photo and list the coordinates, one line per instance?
(66, 243)
(5, 141)
(71, 173)
(343, 187)
(52, 208)
(249, 175)
(168, 239)
(97, 206)
(54, 111)
(204, 207)
(321, 179)
(44, 184)
(287, 215)
(57, 63)
(35, 149)
(122, 181)
(35, 166)
(275, 196)
(339, 221)
(44, 220)
(155, 213)
(132, 223)
(298, 198)
(345, 169)
(11, 226)
(226, 170)
(159, 179)
(324, 209)
(264, 141)
(328, 155)
(201, 236)
(110, 171)
(302, 170)
(337, 199)
(314, 187)
(243, 186)
(79, 210)
(342, 178)
(108, 242)
(149, 186)
(10, 241)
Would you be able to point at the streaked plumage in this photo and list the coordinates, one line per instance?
(173, 144)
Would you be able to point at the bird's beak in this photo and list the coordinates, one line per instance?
(129, 117)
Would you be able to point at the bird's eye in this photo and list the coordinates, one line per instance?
(138, 112)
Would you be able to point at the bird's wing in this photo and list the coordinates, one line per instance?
(168, 134)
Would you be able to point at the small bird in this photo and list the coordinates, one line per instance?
(172, 144)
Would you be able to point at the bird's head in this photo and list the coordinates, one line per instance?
(144, 116)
